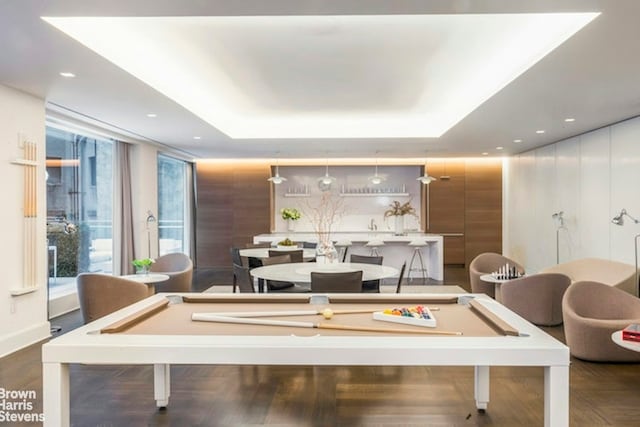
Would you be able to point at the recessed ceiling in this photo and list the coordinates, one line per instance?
(347, 79)
(374, 76)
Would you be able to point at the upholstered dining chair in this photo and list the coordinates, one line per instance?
(369, 285)
(280, 286)
(102, 294)
(179, 268)
(592, 311)
(296, 255)
(343, 282)
(537, 298)
(487, 263)
(244, 280)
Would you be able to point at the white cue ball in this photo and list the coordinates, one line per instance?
(327, 313)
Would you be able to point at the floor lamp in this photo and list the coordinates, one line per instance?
(558, 216)
(619, 220)
(150, 220)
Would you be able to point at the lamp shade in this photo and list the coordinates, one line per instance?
(277, 179)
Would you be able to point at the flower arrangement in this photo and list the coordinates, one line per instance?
(143, 264)
(400, 209)
(290, 213)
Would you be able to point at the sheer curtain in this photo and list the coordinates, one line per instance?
(123, 215)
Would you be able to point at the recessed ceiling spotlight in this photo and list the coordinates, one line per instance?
(67, 74)
(499, 148)
(517, 141)
(197, 137)
(485, 154)
(152, 115)
(540, 131)
(569, 119)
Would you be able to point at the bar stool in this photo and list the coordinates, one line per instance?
(417, 245)
(343, 247)
(373, 245)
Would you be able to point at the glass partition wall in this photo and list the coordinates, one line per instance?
(79, 173)
(173, 205)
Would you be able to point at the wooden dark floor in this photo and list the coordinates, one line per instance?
(601, 394)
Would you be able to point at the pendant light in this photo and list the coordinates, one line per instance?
(426, 179)
(376, 179)
(277, 179)
(325, 181)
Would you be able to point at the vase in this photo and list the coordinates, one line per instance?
(291, 225)
(143, 269)
(399, 225)
(326, 252)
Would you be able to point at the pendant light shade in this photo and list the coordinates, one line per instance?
(376, 179)
(326, 179)
(426, 179)
(277, 179)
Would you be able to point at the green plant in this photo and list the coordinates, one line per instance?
(290, 213)
(287, 242)
(142, 263)
(399, 209)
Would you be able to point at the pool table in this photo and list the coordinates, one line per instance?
(471, 330)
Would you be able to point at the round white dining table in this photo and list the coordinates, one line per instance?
(300, 272)
(307, 254)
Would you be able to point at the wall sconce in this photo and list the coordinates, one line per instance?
(151, 219)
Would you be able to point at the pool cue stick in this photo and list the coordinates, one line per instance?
(204, 317)
(284, 313)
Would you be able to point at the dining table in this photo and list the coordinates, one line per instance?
(300, 272)
(261, 253)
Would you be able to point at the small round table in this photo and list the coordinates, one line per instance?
(489, 278)
(149, 279)
(631, 345)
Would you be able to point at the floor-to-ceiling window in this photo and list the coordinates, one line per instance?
(173, 205)
(79, 205)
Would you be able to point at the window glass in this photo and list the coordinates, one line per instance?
(172, 204)
(79, 172)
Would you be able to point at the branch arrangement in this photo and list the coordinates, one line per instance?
(324, 214)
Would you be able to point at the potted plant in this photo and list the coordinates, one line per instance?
(398, 211)
(290, 215)
(142, 265)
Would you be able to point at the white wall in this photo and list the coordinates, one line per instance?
(23, 319)
(359, 209)
(590, 178)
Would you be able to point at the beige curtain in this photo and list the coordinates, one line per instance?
(127, 249)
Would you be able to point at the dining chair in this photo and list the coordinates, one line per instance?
(369, 285)
(244, 280)
(237, 260)
(343, 282)
(400, 277)
(102, 294)
(296, 255)
(281, 286)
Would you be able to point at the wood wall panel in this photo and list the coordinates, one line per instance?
(446, 196)
(233, 205)
(483, 208)
(454, 250)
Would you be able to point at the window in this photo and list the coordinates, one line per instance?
(173, 205)
(79, 205)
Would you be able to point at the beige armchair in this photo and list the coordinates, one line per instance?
(592, 311)
(612, 273)
(179, 268)
(102, 294)
(537, 298)
(487, 263)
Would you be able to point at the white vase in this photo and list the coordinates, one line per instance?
(291, 225)
(399, 225)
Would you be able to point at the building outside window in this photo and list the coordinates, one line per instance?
(173, 205)
(79, 171)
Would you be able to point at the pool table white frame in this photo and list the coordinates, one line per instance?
(80, 346)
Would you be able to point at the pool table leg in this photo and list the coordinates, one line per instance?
(481, 391)
(556, 396)
(161, 384)
(55, 394)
